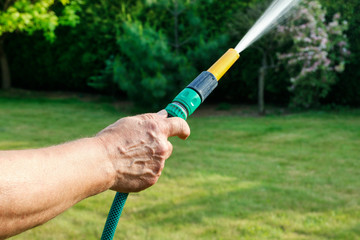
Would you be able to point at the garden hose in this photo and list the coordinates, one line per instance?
(183, 105)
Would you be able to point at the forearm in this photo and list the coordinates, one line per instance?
(127, 156)
(36, 185)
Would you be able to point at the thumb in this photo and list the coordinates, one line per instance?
(178, 127)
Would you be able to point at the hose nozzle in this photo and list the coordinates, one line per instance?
(189, 99)
(222, 65)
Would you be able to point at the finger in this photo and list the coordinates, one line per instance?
(178, 127)
(163, 113)
(170, 149)
(148, 116)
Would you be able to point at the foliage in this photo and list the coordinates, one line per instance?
(84, 53)
(104, 80)
(155, 60)
(77, 55)
(319, 51)
(146, 68)
(30, 16)
(346, 90)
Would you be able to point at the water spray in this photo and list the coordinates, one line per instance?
(190, 98)
(277, 11)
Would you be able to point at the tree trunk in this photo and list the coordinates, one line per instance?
(262, 74)
(5, 71)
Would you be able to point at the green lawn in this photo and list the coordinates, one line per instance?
(276, 177)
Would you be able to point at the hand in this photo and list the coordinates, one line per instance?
(138, 146)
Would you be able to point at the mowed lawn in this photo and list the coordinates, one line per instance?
(276, 177)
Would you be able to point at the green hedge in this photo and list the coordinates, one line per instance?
(80, 54)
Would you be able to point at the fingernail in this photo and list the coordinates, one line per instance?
(163, 113)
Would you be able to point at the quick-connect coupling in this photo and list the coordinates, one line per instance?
(184, 104)
(189, 99)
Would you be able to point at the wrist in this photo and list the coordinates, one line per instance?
(105, 161)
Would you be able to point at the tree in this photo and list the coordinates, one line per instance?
(156, 54)
(319, 52)
(176, 10)
(30, 16)
(177, 19)
(265, 46)
(147, 70)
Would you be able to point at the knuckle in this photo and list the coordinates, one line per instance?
(152, 181)
(124, 120)
(163, 149)
(161, 168)
(152, 125)
(170, 147)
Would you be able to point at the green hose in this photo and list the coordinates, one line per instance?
(114, 216)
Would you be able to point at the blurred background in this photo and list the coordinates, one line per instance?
(71, 67)
(145, 51)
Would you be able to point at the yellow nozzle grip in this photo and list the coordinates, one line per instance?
(224, 63)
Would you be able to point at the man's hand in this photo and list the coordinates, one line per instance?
(138, 146)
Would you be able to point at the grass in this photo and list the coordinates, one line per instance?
(276, 177)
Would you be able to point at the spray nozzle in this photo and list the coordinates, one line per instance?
(189, 99)
(221, 66)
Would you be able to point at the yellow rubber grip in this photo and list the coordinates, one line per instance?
(224, 63)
